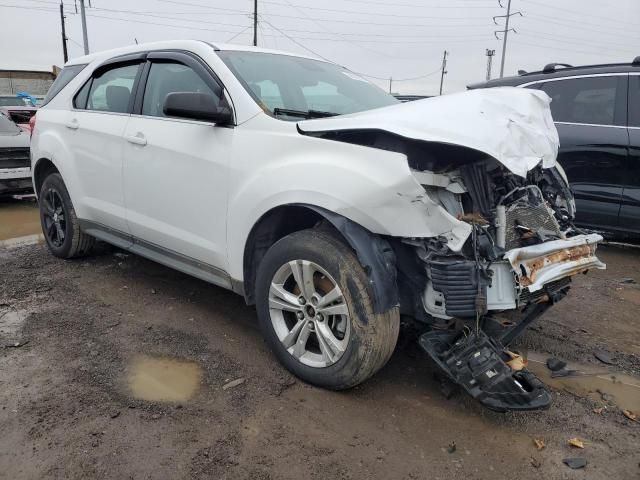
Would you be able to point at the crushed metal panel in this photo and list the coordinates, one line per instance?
(540, 264)
(512, 125)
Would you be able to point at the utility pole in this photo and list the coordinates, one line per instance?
(255, 23)
(490, 54)
(390, 83)
(444, 70)
(505, 32)
(85, 38)
(64, 34)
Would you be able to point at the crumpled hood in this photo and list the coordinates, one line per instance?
(513, 125)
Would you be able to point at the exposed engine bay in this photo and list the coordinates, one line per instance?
(501, 246)
(518, 261)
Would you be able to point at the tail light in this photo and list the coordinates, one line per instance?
(32, 124)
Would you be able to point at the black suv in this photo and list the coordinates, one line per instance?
(596, 109)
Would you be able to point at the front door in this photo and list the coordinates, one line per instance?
(176, 170)
(590, 114)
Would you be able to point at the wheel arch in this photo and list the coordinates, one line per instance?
(374, 252)
(41, 170)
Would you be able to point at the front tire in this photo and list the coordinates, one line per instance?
(316, 311)
(59, 222)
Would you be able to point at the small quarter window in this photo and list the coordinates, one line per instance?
(64, 77)
(80, 100)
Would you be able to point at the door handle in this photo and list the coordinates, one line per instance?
(72, 124)
(137, 139)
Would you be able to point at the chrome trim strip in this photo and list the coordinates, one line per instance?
(158, 254)
(555, 79)
(591, 124)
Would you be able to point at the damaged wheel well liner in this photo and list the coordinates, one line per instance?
(374, 253)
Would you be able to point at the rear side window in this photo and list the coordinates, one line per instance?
(66, 75)
(110, 90)
(584, 100)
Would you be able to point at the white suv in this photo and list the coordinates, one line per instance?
(333, 208)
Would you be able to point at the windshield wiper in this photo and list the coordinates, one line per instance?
(302, 113)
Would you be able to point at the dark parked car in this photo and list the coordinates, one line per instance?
(596, 110)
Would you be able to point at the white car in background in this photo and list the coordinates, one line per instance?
(15, 164)
(321, 199)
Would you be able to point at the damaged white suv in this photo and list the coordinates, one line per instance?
(298, 184)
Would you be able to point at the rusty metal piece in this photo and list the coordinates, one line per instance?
(580, 254)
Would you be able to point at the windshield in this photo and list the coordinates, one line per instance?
(14, 102)
(7, 127)
(292, 87)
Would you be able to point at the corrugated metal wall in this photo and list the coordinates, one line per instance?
(34, 83)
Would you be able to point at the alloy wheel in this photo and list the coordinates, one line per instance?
(309, 313)
(54, 217)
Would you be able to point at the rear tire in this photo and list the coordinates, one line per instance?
(59, 222)
(348, 343)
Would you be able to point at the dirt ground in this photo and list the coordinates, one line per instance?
(116, 367)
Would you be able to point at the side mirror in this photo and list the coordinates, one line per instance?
(196, 106)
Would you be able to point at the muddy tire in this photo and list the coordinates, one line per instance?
(317, 314)
(59, 221)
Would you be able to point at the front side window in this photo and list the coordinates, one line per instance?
(302, 87)
(110, 91)
(165, 78)
(584, 100)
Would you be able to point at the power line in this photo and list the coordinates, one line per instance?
(331, 61)
(505, 32)
(184, 27)
(356, 12)
(598, 17)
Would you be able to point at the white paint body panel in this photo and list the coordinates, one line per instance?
(198, 189)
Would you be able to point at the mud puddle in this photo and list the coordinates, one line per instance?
(162, 379)
(597, 383)
(18, 219)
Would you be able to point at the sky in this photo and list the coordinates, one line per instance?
(379, 39)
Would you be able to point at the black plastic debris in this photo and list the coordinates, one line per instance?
(628, 280)
(575, 463)
(477, 363)
(555, 364)
(604, 357)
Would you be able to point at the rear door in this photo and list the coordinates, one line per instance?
(95, 127)
(630, 210)
(590, 115)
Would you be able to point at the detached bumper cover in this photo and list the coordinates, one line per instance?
(537, 265)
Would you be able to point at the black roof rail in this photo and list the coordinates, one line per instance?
(636, 61)
(522, 72)
(551, 67)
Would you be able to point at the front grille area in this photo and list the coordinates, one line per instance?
(531, 212)
(16, 157)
